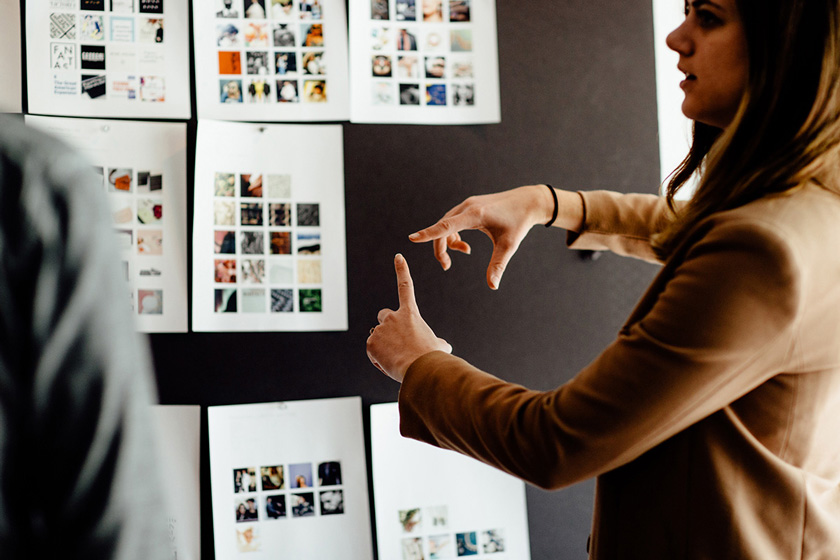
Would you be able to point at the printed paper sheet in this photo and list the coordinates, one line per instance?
(432, 504)
(424, 62)
(11, 92)
(108, 58)
(144, 173)
(289, 480)
(178, 431)
(268, 235)
(271, 60)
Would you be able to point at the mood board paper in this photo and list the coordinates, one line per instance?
(178, 432)
(143, 166)
(289, 480)
(10, 69)
(431, 503)
(271, 60)
(268, 236)
(108, 58)
(424, 62)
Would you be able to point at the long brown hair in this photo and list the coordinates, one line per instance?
(787, 129)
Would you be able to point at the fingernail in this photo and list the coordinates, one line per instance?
(414, 236)
(494, 282)
(399, 258)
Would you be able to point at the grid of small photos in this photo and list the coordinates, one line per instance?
(137, 213)
(421, 52)
(267, 246)
(271, 51)
(427, 535)
(95, 48)
(274, 492)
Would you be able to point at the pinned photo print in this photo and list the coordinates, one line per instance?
(251, 214)
(285, 63)
(225, 184)
(311, 9)
(329, 473)
(148, 182)
(227, 36)
(122, 6)
(436, 94)
(409, 94)
(412, 549)
(437, 518)
(150, 242)
(405, 10)
(380, 38)
(92, 5)
(120, 180)
(246, 509)
(253, 300)
(152, 89)
(224, 213)
(282, 9)
(281, 243)
(460, 40)
(255, 34)
(275, 506)
(225, 271)
(92, 28)
(411, 520)
(440, 546)
(408, 67)
(462, 67)
(150, 31)
(379, 10)
(300, 475)
(244, 480)
(225, 300)
(63, 26)
(256, 62)
(252, 243)
(151, 6)
(122, 29)
(125, 239)
(122, 209)
(250, 185)
(463, 94)
(309, 272)
(272, 478)
(93, 57)
(93, 86)
(492, 541)
(309, 243)
(313, 63)
(315, 91)
(227, 8)
(279, 186)
(434, 40)
(382, 93)
(466, 544)
(248, 538)
(281, 271)
(381, 66)
(308, 215)
(406, 39)
(230, 62)
(282, 301)
(303, 505)
(459, 10)
(231, 91)
(62, 56)
(283, 35)
(287, 91)
(253, 272)
(150, 302)
(224, 242)
(312, 35)
(280, 214)
(433, 10)
(332, 502)
(254, 9)
(149, 211)
(435, 67)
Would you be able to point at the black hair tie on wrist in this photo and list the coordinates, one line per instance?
(553, 214)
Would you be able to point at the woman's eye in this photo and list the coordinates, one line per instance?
(707, 18)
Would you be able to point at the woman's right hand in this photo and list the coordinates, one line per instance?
(505, 218)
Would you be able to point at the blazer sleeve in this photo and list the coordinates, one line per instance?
(720, 327)
(621, 223)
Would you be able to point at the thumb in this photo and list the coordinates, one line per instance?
(498, 263)
(405, 285)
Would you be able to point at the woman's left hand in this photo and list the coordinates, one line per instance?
(402, 336)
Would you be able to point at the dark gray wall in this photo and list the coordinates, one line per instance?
(578, 111)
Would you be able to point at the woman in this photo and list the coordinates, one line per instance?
(711, 422)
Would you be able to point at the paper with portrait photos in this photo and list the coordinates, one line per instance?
(424, 62)
(268, 235)
(289, 480)
(10, 66)
(178, 430)
(271, 60)
(108, 58)
(143, 168)
(674, 127)
(431, 503)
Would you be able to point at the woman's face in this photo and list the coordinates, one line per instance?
(713, 56)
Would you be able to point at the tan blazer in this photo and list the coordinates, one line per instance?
(713, 421)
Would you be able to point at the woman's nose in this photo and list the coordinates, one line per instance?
(679, 41)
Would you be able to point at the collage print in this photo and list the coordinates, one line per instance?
(426, 535)
(271, 51)
(137, 211)
(421, 53)
(280, 492)
(267, 247)
(108, 49)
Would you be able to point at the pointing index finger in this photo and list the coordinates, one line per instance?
(405, 285)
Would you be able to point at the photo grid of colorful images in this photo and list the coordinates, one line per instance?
(271, 51)
(421, 53)
(267, 246)
(427, 535)
(108, 49)
(137, 213)
(272, 493)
